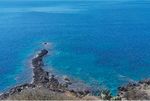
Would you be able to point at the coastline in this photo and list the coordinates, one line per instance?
(42, 78)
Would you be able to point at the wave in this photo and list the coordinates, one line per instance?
(53, 9)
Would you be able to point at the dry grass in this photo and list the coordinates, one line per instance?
(40, 94)
(136, 95)
(45, 94)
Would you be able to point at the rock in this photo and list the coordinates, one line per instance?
(54, 83)
(4, 96)
(45, 43)
(40, 76)
(15, 90)
(147, 81)
(43, 53)
(122, 88)
(86, 91)
(67, 81)
(135, 91)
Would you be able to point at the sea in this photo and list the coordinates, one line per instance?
(100, 42)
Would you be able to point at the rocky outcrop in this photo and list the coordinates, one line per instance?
(135, 91)
(16, 90)
(42, 78)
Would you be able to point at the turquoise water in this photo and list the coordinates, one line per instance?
(104, 42)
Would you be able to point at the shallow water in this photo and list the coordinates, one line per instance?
(99, 42)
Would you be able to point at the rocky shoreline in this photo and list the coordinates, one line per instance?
(135, 91)
(42, 78)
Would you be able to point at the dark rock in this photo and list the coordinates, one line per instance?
(147, 81)
(40, 76)
(135, 91)
(45, 43)
(15, 90)
(43, 53)
(54, 83)
(122, 88)
(67, 81)
(4, 96)
(86, 91)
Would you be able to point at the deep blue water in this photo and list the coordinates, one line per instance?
(105, 42)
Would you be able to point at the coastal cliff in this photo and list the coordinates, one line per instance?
(46, 87)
